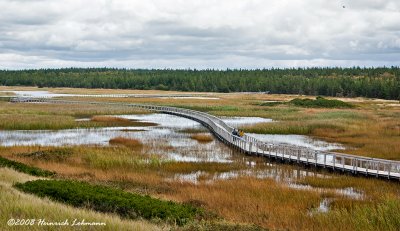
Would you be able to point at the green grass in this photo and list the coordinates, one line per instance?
(106, 199)
(320, 102)
(24, 168)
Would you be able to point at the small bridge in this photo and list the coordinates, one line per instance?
(247, 144)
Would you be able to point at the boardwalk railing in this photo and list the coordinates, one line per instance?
(250, 145)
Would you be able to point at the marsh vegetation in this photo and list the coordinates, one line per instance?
(167, 163)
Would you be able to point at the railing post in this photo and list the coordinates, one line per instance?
(377, 168)
(316, 157)
(307, 156)
(342, 163)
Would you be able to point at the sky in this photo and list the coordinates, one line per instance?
(215, 34)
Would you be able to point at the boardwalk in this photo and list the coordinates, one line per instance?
(249, 145)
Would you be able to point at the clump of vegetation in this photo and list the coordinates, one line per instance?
(128, 142)
(271, 103)
(58, 154)
(24, 168)
(202, 138)
(320, 102)
(106, 199)
(222, 226)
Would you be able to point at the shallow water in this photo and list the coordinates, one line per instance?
(47, 94)
(298, 140)
(240, 121)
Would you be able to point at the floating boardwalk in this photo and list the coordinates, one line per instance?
(247, 144)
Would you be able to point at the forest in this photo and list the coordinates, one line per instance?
(381, 82)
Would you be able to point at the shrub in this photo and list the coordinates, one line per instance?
(106, 199)
(320, 102)
(24, 168)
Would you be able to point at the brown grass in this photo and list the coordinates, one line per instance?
(128, 142)
(202, 137)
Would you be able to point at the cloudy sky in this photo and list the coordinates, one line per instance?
(198, 33)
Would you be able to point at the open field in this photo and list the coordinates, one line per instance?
(290, 198)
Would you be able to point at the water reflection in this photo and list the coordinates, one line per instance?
(298, 140)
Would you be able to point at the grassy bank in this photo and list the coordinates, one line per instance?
(18, 205)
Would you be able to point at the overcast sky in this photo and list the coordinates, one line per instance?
(198, 33)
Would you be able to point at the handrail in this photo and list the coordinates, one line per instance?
(248, 144)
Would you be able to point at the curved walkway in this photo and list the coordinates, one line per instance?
(336, 161)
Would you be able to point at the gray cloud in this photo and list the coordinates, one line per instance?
(199, 34)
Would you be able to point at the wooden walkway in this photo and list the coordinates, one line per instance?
(247, 144)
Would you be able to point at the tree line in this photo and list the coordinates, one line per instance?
(381, 82)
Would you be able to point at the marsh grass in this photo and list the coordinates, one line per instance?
(128, 142)
(36, 122)
(295, 127)
(189, 167)
(263, 202)
(54, 154)
(193, 130)
(202, 137)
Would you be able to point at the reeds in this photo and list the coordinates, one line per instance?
(202, 137)
(128, 142)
